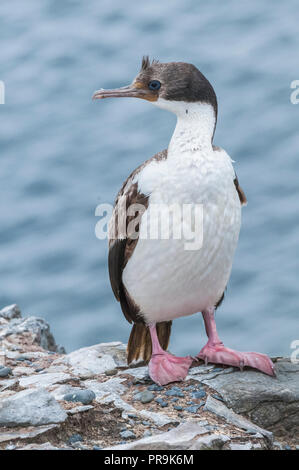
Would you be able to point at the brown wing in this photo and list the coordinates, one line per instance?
(121, 246)
(240, 192)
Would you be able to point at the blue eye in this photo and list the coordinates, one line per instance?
(154, 85)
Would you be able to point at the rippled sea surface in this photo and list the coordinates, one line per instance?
(62, 155)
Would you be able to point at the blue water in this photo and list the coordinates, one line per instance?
(62, 155)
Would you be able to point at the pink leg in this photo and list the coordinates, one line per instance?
(214, 351)
(164, 367)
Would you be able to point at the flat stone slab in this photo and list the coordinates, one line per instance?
(44, 380)
(270, 402)
(30, 407)
(26, 433)
(87, 362)
(220, 409)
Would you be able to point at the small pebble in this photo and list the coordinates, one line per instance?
(194, 408)
(174, 392)
(217, 369)
(127, 434)
(174, 400)
(287, 447)
(199, 394)
(178, 408)
(97, 448)
(145, 423)
(137, 396)
(133, 416)
(83, 396)
(137, 381)
(5, 371)
(75, 438)
(155, 388)
(147, 433)
(39, 369)
(111, 372)
(161, 402)
(146, 396)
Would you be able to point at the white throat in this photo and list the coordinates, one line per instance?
(194, 129)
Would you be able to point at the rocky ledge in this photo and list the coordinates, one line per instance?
(91, 399)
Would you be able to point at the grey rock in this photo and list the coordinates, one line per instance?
(79, 409)
(137, 396)
(7, 384)
(178, 408)
(180, 438)
(75, 438)
(160, 419)
(161, 402)
(194, 408)
(10, 312)
(107, 390)
(83, 396)
(270, 402)
(198, 394)
(174, 392)
(245, 446)
(5, 371)
(155, 388)
(37, 326)
(219, 408)
(127, 434)
(146, 396)
(44, 446)
(211, 442)
(110, 372)
(44, 380)
(30, 407)
(18, 371)
(26, 433)
(90, 361)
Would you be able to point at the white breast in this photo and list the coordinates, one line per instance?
(165, 279)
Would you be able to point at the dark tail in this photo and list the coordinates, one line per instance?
(140, 344)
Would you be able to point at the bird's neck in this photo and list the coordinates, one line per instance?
(194, 130)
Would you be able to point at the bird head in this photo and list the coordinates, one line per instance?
(167, 85)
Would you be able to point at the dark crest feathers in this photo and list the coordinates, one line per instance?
(146, 63)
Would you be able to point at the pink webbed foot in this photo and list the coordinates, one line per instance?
(165, 368)
(219, 354)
